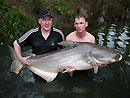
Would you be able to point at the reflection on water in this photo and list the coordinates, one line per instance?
(114, 38)
(112, 81)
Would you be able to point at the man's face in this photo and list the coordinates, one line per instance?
(80, 24)
(45, 22)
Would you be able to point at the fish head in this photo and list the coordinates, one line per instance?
(106, 58)
(117, 58)
(109, 60)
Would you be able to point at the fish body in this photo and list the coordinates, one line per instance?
(81, 56)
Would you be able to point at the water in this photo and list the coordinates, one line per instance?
(112, 81)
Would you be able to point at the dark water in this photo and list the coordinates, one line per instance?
(112, 81)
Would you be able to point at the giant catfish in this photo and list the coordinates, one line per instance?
(80, 55)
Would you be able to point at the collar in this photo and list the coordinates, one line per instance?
(40, 33)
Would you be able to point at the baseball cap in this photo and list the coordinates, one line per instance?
(45, 13)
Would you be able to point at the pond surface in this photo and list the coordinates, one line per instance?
(112, 81)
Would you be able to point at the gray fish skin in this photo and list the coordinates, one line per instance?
(82, 56)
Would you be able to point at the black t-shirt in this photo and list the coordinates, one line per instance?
(39, 45)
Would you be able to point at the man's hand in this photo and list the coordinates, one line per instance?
(68, 69)
(100, 65)
(24, 60)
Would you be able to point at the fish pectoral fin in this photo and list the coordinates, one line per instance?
(95, 68)
(93, 62)
(48, 76)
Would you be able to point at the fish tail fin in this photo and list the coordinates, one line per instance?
(16, 65)
(12, 52)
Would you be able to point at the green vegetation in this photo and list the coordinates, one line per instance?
(15, 22)
(70, 15)
(115, 9)
(64, 7)
(19, 17)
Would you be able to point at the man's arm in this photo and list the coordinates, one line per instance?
(17, 49)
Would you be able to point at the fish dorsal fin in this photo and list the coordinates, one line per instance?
(48, 76)
(68, 43)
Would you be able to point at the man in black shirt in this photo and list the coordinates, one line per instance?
(43, 39)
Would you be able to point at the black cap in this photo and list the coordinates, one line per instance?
(45, 13)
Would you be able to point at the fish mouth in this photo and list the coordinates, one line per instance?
(116, 59)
